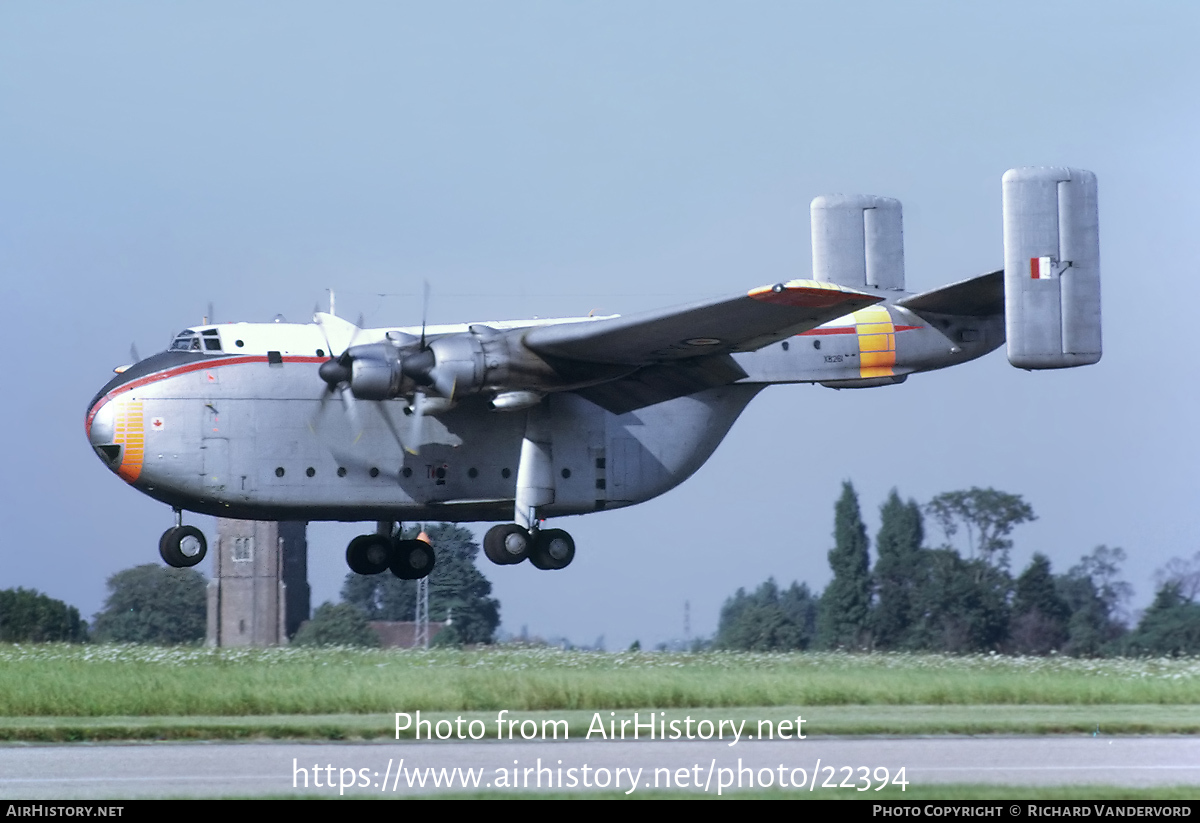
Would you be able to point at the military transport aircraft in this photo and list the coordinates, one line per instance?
(520, 421)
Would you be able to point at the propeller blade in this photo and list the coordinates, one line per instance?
(320, 412)
(351, 409)
(416, 425)
(133, 353)
(445, 384)
(424, 311)
(391, 427)
(338, 334)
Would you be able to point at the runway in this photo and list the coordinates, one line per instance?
(840, 766)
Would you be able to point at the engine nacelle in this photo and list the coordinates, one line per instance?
(1051, 268)
(375, 372)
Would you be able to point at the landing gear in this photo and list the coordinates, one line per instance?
(553, 549)
(547, 549)
(182, 546)
(506, 544)
(511, 543)
(376, 553)
(412, 559)
(369, 554)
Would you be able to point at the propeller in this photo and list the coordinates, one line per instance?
(426, 370)
(337, 372)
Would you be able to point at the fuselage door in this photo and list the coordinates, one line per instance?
(214, 453)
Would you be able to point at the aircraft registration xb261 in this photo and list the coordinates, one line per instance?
(520, 421)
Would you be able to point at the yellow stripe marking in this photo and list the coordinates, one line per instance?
(876, 342)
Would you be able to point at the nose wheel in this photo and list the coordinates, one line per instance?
(182, 546)
(547, 549)
(376, 553)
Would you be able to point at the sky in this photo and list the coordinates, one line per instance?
(553, 158)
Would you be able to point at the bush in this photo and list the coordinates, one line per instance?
(336, 625)
(154, 604)
(27, 616)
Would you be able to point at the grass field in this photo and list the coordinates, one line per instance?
(60, 692)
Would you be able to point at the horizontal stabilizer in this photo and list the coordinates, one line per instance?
(981, 296)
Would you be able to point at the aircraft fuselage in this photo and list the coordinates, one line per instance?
(244, 428)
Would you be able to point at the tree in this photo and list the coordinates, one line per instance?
(1183, 574)
(1170, 626)
(27, 616)
(768, 619)
(1090, 631)
(898, 547)
(154, 604)
(961, 605)
(1040, 616)
(1102, 568)
(844, 618)
(988, 515)
(336, 625)
(456, 589)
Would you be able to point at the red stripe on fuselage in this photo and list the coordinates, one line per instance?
(190, 367)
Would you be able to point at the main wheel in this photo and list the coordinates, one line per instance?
(412, 559)
(182, 546)
(369, 554)
(552, 550)
(506, 544)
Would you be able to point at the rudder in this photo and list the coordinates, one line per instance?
(1051, 268)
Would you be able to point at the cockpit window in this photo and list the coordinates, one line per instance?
(189, 340)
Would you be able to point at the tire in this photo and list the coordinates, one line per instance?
(554, 549)
(369, 554)
(412, 559)
(182, 547)
(499, 541)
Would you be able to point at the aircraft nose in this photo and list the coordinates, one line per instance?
(101, 433)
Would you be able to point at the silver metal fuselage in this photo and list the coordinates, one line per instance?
(250, 430)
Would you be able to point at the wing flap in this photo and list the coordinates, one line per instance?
(742, 323)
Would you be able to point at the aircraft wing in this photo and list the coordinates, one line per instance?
(714, 327)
